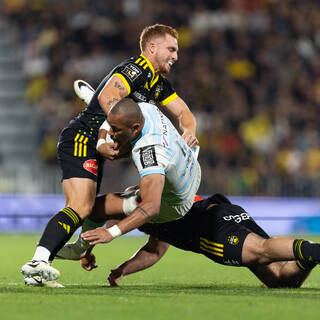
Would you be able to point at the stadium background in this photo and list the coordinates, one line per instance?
(249, 70)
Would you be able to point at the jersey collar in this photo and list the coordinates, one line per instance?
(149, 65)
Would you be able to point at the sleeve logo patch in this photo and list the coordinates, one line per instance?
(148, 157)
(131, 71)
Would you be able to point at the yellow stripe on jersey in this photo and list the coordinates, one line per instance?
(80, 146)
(85, 147)
(142, 63)
(125, 82)
(154, 81)
(137, 61)
(75, 152)
(203, 244)
(212, 243)
(150, 66)
(212, 252)
(169, 99)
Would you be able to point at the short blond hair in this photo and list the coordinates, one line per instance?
(153, 31)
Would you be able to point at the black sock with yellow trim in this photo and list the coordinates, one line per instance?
(306, 253)
(59, 230)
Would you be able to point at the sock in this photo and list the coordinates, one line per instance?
(306, 253)
(41, 253)
(57, 232)
(79, 246)
(305, 264)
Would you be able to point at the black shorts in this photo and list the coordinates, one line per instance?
(218, 231)
(78, 156)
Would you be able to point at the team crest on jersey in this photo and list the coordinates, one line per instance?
(91, 166)
(234, 240)
(157, 92)
(131, 71)
(148, 157)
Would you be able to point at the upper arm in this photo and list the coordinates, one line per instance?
(114, 90)
(151, 187)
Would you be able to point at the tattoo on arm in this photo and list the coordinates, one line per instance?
(112, 102)
(144, 212)
(118, 86)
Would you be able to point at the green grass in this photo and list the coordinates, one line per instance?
(181, 286)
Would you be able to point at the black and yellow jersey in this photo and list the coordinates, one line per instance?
(142, 84)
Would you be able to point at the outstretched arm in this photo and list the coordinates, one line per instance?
(151, 187)
(179, 110)
(144, 258)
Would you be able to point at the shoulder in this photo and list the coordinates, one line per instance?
(132, 69)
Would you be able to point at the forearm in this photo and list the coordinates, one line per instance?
(138, 217)
(145, 257)
(187, 122)
(140, 261)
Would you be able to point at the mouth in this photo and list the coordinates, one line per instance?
(170, 63)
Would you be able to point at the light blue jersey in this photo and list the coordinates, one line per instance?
(160, 149)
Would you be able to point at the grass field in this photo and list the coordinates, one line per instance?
(181, 286)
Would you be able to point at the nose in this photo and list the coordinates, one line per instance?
(175, 56)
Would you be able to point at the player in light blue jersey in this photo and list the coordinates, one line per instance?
(160, 149)
(170, 174)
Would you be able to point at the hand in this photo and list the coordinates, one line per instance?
(109, 150)
(190, 139)
(115, 276)
(98, 235)
(88, 262)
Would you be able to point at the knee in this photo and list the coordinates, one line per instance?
(82, 209)
(263, 252)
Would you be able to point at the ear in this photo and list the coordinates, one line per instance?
(151, 46)
(136, 128)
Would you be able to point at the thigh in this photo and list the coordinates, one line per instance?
(225, 244)
(225, 229)
(78, 157)
(80, 194)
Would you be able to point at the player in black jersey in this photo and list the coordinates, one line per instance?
(225, 233)
(139, 78)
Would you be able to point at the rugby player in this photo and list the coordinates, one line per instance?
(139, 78)
(170, 176)
(226, 234)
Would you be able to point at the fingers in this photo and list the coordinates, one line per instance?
(98, 235)
(109, 150)
(115, 276)
(95, 236)
(190, 139)
(88, 262)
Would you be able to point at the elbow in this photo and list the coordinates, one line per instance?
(155, 211)
(101, 99)
(151, 211)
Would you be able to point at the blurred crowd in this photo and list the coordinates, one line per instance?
(248, 69)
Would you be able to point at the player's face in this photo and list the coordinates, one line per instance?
(166, 53)
(120, 132)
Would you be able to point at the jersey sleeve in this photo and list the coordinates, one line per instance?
(168, 94)
(132, 75)
(150, 160)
